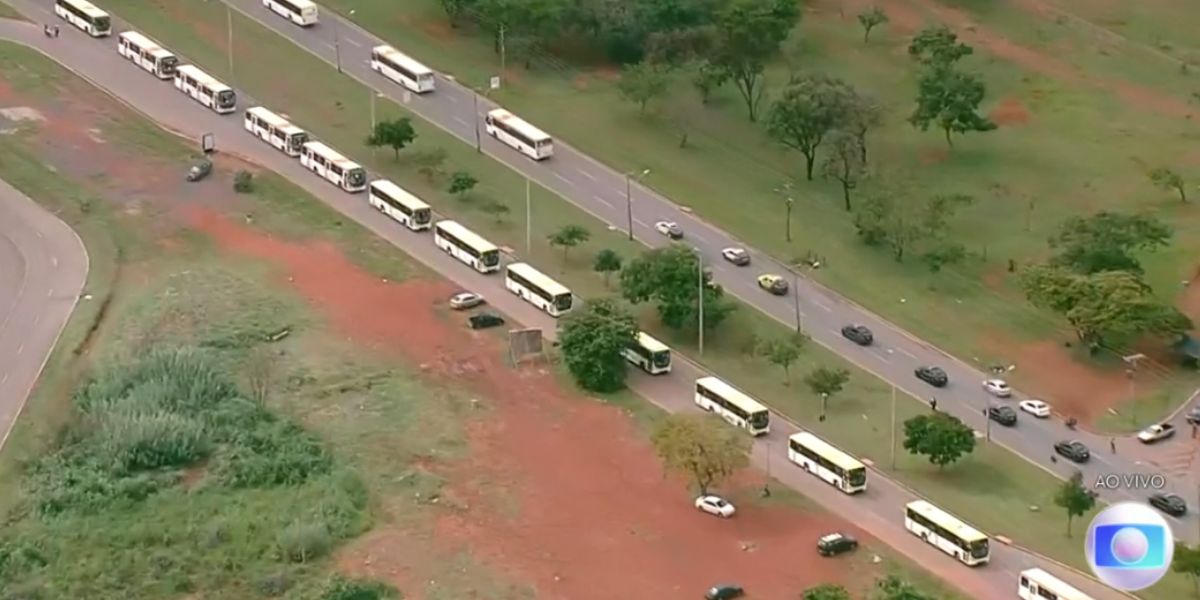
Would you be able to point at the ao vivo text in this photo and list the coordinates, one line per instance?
(1131, 481)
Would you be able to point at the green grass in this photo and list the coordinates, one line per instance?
(8, 12)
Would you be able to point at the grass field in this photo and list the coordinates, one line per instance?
(993, 489)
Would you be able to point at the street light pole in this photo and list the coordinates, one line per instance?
(786, 190)
(528, 220)
(893, 427)
(700, 296)
(789, 219)
(824, 403)
(1131, 372)
(987, 422)
(337, 41)
(796, 302)
(229, 30)
(629, 199)
(478, 140)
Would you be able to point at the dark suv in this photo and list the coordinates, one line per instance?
(724, 592)
(859, 334)
(1193, 417)
(835, 543)
(934, 376)
(1003, 415)
(1074, 451)
(1171, 504)
(484, 320)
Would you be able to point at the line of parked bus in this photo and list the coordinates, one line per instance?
(816, 456)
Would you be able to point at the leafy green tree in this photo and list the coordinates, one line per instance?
(707, 79)
(893, 587)
(1187, 561)
(826, 382)
(1169, 180)
(669, 277)
(863, 113)
(748, 34)
(1074, 498)
(642, 83)
(936, 46)
(941, 437)
(826, 591)
(898, 221)
(1109, 308)
(810, 108)
(701, 447)
(607, 262)
(395, 134)
(592, 340)
(845, 163)
(1107, 241)
(568, 237)
(782, 352)
(455, 9)
(950, 99)
(943, 254)
(527, 24)
(870, 19)
(461, 184)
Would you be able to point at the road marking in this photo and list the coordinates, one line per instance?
(39, 234)
(588, 175)
(906, 353)
(601, 200)
(54, 261)
(823, 307)
(639, 222)
(20, 349)
(4, 379)
(879, 356)
(462, 120)
(330, 46)
(50, 293)
(37, 317)
(563, 179)
(353, 43)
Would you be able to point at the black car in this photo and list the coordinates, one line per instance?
(859, 334)
(1075, 451)
(485, 320)
(725, 592)
(1169, 503)
(934, 376)
(835, 543)
(1003, 415)
(1194, 416)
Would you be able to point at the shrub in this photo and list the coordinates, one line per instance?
(340, 588)
(243, 182)
(273, 453)
(302, 542)
(273, 584)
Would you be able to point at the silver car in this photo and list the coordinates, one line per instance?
(465, 300)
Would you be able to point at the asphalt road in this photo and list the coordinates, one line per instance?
(879, 511)
(43, 266)
(601, 191)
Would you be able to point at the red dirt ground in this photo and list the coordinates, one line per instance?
(592, 505)
(1009, 112)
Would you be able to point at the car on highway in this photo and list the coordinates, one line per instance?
(1036, 408)
(1172, 504)
(725, 591)
(1156, 433)
(859, 334)
(737, 256)
(934, 376)
(201, 169)
(836, 543)
(997, 387)
(670, 229)
(773, 284)
(715, 505)
(485, 320)
(465, 300)
(1073, 450)
(1003, 415)
(1193, 417)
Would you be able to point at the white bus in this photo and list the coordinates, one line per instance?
(147, 54)
(465, 245)
(536, 288)
(398, 67)
(190, 80)
(1036, 584)
(822, 459)
(526, 138)
(946, 532)
(300, 12)
(84, 15)
(275, 130)
(737, 408)
(649, 354)
(333, 167)
(393, 201)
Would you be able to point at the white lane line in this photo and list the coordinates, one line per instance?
(906, 353)
(353, 43)
(20, 349)
(586, 174)
(37, 317)
(451, 98)
(54, 261)
(330, 46)
(639, 222)
(822, 306)
(39, 234)
(4, 379)
(601, 200)
(462, 120)
(50, 293)
(564, 179)
(879, 356)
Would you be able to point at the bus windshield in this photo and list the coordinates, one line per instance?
(356, 177)
(857, 477)
(296, 143)
(979, 549)
(490, 258)
(226, 99)
(759, 420)
(101, 23)
(168, 64)
(563, 301)
(421, 216)
(661, 359)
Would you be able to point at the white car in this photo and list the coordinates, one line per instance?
(1036, 408)
(737, 256)
(465, 300)
(670, 229)
(1156, 433)
(997, 387)
(715, 505)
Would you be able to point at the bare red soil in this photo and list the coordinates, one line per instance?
(1009, 112)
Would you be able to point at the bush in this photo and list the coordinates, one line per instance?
(273, 584)
(340, 588)
(243, 182)
(302, 542)
(273, 453)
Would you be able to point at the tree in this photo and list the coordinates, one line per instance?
(497, 209)
(704, 448)
(938, 47)
(950, 99)
(592, 341)
(782, 352)
(809, 108)
(642, 83)
(893, 587)
(568, 237)
(1187, 561)
(1106, 241)
(1107, 308)
(825, 382)
(607, 262)
(845, 163)
(748, 34)
(870, 19)
(669, 277)
(461, 184)
(1169, 180)
(1074, 498)
(863, 114)
(394, 134)
(942, 254)
(941, 437)
(707, 79)
(893, 219)
(826, 591)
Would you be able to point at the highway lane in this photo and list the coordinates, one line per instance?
(601, 191)
(878, 511)
(43, 267)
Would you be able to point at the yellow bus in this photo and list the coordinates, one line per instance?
(947, 533)
(828, 463)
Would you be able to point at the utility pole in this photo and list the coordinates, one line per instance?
(337, 41)
(786, 191)
(700, 295)
(629, 198)
(987, 422)
(229, 41)
(478, 140)
(796, 302)
(502, 53)
(528, 221)
(893, 427)
(1131, 372)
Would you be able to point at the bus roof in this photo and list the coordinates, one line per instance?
(644, 340)
(272, 119)
(519, 124)
(402, 59)
(204, 78)
(1060, 588)
(829, 451)
(946, 520)
(398, 193)
(332, 155)
(91, 9)
(466, 235)
(144, 42)
(731, 393)
(539, 279)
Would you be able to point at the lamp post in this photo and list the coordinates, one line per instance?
(700, 297)
(786, 190)
(528, 220)
(1131, 372)
(796, 302)
(337, 41)
(824, 403)
(478, 140)
(893, 427)
(229, 29)
(629, 197)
